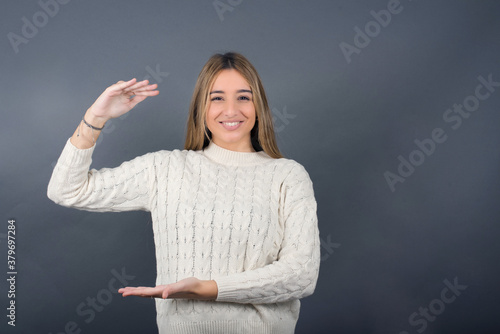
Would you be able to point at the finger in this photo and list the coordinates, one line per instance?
(145, 292)
(136, 86)
(148, 91)
(134, 287)
(145, 93)
(169, 291)
(136, 100)
(142, 89)
(141, 96)
(121, 85)
(177, 287)
(134, 292)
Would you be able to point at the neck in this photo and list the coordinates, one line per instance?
(245, 146)
(234, 158)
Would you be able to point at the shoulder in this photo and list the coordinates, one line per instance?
(294, 170)
(296, 184)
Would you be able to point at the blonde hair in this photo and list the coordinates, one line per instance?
(198, 135)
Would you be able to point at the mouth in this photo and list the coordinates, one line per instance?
(231, 125)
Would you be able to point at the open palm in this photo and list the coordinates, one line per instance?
(187, 288)
(121, 97)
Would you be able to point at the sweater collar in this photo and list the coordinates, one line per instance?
(234, 158)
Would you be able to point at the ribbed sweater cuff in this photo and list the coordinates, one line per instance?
(71, 155)
(229, 290)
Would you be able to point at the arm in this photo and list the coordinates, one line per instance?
(122, 188)
(295, 272)
(187, 288)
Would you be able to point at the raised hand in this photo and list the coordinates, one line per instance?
(120, 98)
(115, 101)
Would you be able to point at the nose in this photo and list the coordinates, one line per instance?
(231, 109)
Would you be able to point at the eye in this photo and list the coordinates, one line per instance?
(244, 98)
(216, 98)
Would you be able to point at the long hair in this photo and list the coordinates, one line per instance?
(262, 135)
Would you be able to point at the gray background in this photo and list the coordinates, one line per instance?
(385, 253)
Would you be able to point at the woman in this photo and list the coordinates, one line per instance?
(235, 224)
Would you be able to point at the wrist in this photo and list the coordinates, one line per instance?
(93, 120)
(211, 289)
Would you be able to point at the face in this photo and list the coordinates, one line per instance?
(231, 112)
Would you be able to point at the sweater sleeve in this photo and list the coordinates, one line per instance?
(123, 188)
(295, 272)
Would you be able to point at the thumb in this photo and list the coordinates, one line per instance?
(166, 292)
(136, 100)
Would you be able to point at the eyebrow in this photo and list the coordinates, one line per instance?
(239, 91)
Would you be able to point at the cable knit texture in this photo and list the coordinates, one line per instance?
(245, 220)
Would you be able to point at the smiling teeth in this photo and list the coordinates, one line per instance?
(231, 123)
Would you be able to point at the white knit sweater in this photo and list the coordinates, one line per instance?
(245, 220)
